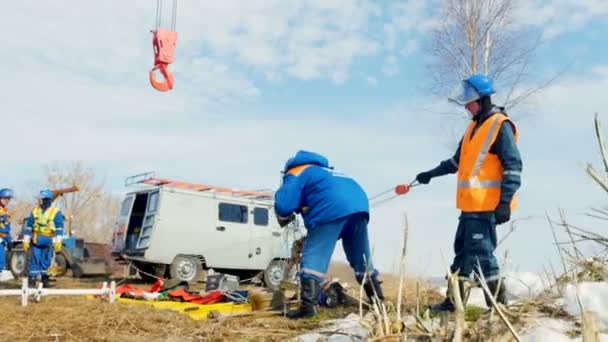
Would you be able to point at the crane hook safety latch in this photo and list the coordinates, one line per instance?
(163, 42)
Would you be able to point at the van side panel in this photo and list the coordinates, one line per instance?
(181, 220)
(189, 223)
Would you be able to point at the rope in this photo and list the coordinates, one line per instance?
(381, 194)
(380, 202)
(145, 273)
(376, 200)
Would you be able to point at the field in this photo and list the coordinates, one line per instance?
(82, 319)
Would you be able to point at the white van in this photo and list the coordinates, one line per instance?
(178, 229)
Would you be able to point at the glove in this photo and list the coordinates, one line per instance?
(424, 177)
(502, 213)
(57, 246)
(26, 246)
(283, 221)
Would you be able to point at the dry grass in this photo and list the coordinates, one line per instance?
(81, 319)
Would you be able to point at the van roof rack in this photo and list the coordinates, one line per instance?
(149, 178)
(139, 179)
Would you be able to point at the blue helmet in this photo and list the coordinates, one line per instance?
(6, 193)
(474, 88)
(46, 194)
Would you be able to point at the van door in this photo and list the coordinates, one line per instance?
(230, 248)
(120, 231)
(147, 225)
(266, 240)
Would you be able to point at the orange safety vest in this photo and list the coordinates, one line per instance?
(480, 172)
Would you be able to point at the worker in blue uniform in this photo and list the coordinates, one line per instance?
(5, 225)
(489, 167)
(334, 207)
(44, 234)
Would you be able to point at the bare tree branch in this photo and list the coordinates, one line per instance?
(91, 211)
(481, 36)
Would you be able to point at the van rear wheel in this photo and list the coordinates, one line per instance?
(186, 268)
(275, 273)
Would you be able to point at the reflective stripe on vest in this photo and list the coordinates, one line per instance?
(44, 222)
(480, 173)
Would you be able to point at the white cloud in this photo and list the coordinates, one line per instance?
(407, 22)
(391, 66)
(555, 17)
(372, 81)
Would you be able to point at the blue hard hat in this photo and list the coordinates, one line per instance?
(45, 194)
(6, 193)
(474, 88)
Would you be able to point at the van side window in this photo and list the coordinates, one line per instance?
(260, 216)
(233, 213)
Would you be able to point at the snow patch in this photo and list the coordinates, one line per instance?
(593, 296)
(523, 285)
(348, 329)
(6, 276)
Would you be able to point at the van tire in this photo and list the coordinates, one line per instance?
(275, 273)
(186, 268)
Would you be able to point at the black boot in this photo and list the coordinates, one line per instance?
(45, 281)
(31, 282)
(310, 294)
(448, 305)
(500, 296)
(372, 289)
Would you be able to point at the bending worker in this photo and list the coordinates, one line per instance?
(44, 230)
(334, 207)
(489, 169)
(5, 225)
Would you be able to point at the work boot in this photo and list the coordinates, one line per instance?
(310, 295)
(31, 282)
(372, 289)
(448, 305)
(45, 281)
(500, 296)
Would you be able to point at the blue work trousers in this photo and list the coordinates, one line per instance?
(320, 243)
(474, 245)
(40, 259)
(3, 245)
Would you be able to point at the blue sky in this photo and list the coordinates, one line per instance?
(258, 80)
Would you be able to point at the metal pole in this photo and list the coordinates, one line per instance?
(112, 297)
(24, 291)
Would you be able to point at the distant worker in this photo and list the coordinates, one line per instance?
(5, 225)
(44, 230)
(334, 207)
(489, 173)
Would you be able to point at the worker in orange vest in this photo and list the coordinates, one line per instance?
(489, 167)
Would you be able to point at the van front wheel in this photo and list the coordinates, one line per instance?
(186, 268)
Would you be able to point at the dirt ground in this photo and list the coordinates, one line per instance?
(80, 319)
